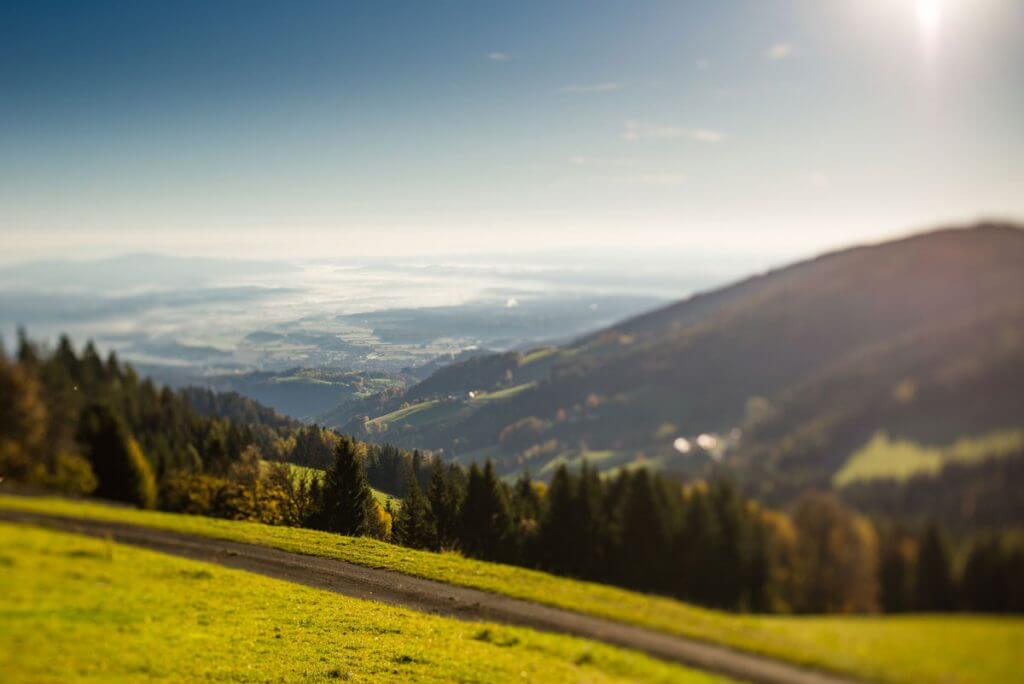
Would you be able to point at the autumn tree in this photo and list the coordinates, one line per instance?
(837, 557)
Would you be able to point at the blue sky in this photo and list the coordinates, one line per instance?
(313, 129)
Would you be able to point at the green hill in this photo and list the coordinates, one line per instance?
(82, 609)
(898, 649)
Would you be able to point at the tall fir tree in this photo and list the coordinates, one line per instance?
(445, 497)
(122, 471)
(414, 523)
(345, 493)
(487, 530)
(934, 587)
(555, 537)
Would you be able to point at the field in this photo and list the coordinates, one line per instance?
(949, 648)
(883, 458)
(81, 608)
(419, 414)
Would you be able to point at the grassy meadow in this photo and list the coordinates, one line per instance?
(78, 608)
(900, 459)
(958, 649)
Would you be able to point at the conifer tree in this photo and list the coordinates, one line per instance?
(934, 583)
(414, 523)
(525, 500)
(644, 544)
(896, 573)
(445, 502)
(555, 537)
(345, 492)
(985, 582)
(590, 524)
(123, 473)
(487, 530)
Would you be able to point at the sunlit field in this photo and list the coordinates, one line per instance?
(891, 649)
(76, 608)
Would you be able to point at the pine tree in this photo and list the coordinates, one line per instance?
(985, 584)
(590, 524)
(727, 552)
(123, 472)
(694, 549)
(555, 537)
(934, 583)
(414, 523)
(644, 543)
(896, 573)
(487, 530)
(445, 499)
(345, 493)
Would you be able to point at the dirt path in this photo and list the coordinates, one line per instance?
(436, 597)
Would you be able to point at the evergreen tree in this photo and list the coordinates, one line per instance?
(414, 524)
(525, 500)
(123, 472)
(443, 493)
(934, 583)
(896, 573)
(727, 552)
(643, 546)
(487, 530)
(555, 540)
(345, 494)
(590, 524)
(694, 547)
(985, 582)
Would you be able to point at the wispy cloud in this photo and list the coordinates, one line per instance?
(780, 51)
(499, 56)
(593, 87)
(636, 130)
(703, 64)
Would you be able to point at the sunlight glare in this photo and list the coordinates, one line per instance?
(929, 15)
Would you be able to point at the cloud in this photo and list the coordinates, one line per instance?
(593, 88)
(499, 56)
(635, 130)
(780, 51)
(703, 64)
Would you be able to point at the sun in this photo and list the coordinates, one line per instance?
(929, 15)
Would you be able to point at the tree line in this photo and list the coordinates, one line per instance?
(81, 424)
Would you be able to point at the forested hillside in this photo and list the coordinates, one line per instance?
(81, 425)
(781, 377)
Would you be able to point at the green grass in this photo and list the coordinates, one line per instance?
(882, 458)
(576, 458)
(505, 393)
(77, 608)
(955, 649)
(419, 414)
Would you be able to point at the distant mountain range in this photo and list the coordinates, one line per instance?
(781, 377)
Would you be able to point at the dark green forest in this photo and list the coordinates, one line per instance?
(76, 423)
